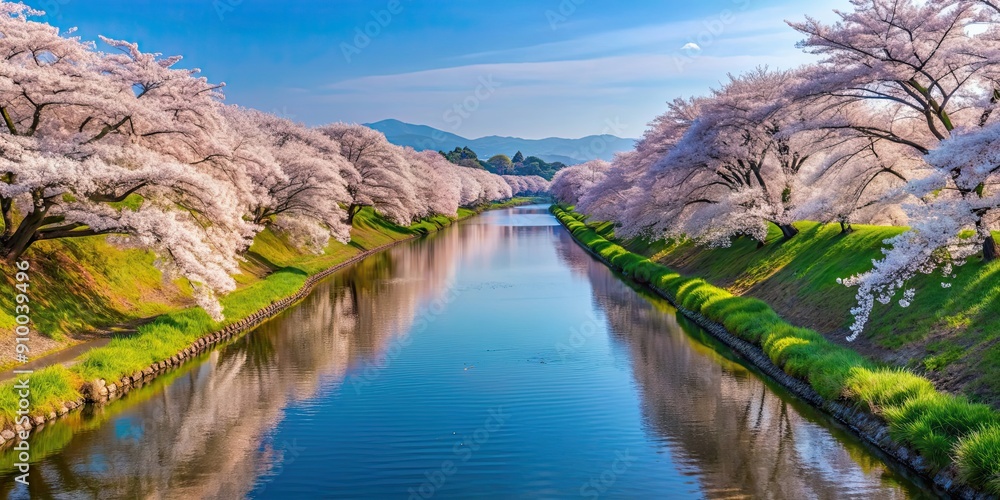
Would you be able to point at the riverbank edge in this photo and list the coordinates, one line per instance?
(100, 391)
(864, 424)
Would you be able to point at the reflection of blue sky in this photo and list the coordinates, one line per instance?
(128, 429)
(603, 61)
(98, 463)
(525, 216)
(523, 220)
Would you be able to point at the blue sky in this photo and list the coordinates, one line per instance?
(527, 68)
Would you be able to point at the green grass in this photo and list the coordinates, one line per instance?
(942, 428)
(275, 269)
(948, 334)
(81, 284)
(799, 277)
(172, 332)
(49, 389)
(979, 458)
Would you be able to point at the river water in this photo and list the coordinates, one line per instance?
(494, 359)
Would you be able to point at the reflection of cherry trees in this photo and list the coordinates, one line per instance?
(718, 419)
(210, 432)
(205, 435)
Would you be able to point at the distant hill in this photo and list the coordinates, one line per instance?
(553, 149)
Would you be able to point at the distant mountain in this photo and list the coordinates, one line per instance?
(553, 149)
(565, 160)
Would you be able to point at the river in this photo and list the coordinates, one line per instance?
(494, 359)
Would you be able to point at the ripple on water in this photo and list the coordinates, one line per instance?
(497, 355)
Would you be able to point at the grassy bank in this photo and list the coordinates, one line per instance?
(950, 335)
(274, 270)
(943, 428)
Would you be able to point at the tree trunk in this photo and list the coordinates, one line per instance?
(845, 227)
(788, 231)
(990, 250)
(22, 238)
(351, 212)
(11, 251)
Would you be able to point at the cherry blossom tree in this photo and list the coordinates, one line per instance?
(515, 182)
(536, 184)
(949, 234)
(739, 167)
(932, 80)
(493, 186)
(472, 191)
(439, 188)
(297, 175)
(623, 195)
(570, 183)
(918, 64)
(860, 181)
(915, 58)
(527, 184)
(113, 144)
(124, 143)
(383, 181)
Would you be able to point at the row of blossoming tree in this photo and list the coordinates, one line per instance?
(123, 143)
(895, 124)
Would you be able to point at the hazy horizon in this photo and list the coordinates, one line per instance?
(374, 122)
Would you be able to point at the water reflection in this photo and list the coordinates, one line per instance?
(719, 420)
(203, 432)
(368, 385)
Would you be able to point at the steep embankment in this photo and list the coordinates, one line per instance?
(87, 287)
(951, 434)
(950, 335)
(91, 284)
